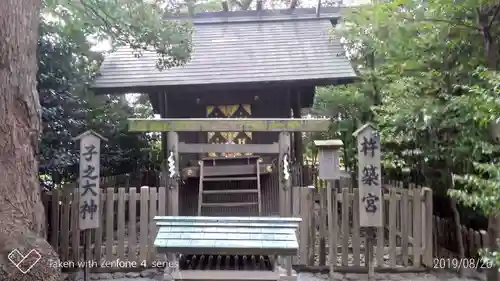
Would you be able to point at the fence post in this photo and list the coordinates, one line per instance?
(423, 209)
(296, 198)
(417, 223)
(322, 223)
(55, 213)
(427, 227)
(305, 213)
(331, 202)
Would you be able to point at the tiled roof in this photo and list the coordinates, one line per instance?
(241, 48)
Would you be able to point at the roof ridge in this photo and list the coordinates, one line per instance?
(262, 15)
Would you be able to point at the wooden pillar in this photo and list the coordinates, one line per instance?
(172, 163)
(163, 107)
(331, 203)
(297, 137)
(170, 143)
(285, 184)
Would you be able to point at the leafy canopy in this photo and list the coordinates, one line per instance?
(428, 79)
(137, 24)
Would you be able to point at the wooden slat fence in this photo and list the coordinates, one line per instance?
(404, 241)
(445, 239)
(127, 230)
(141, 178)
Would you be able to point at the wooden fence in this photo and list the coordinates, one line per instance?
(126, 232)
(445, 239)
(405, 240)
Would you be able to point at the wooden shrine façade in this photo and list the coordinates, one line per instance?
(250, 65)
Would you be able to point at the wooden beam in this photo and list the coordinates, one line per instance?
(225, 148)
(194, 172)
(207, 250)
(162, 99)
(228, 125)
(285, 184)
(272, 220)
(230, 170)
(173, 181)
(298, 149)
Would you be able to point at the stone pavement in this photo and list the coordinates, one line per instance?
(156, 275)
(434, 276)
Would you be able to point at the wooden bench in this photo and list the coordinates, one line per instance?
(227, 248)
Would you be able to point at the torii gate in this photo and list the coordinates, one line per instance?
(283, 126)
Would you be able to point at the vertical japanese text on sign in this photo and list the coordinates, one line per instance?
(369, 176)
(89, 180)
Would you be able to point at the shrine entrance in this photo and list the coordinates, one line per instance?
(235, 163)
(397, 242)
(233, 243)
(237, 173)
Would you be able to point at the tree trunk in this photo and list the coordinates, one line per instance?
(22, 221)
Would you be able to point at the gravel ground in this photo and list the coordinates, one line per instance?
(153, 275)
(385, 277)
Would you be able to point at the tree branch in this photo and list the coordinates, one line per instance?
(495, 14)
(446, 21)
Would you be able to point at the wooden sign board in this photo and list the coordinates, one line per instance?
(89, 200)
(328, 158)
(329, 164)
(369, 177)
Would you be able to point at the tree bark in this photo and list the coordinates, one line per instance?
(22, 221)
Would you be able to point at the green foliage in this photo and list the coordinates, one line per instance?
(481, 189)
(138, 24)
(66, 66)
(59, 73)
(482, 192)
(428, 80)
(347, 105)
